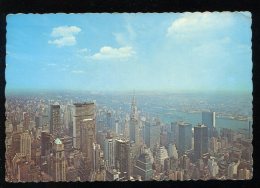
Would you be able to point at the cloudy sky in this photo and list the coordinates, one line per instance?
(125, 52)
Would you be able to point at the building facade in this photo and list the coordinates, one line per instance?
(200, 141)
(81, 111)
(55, 124)
(185, 137)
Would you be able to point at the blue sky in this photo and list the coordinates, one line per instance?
(126, 52)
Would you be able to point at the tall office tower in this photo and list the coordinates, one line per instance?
(38, 121)
(122, 157)
(126, 129)
(45, 143)
(152, 134)
(173, 133)
(68, 116)
(213, 166)
(134, 123)
(55, 125)
(26, 121)
(87, 138)
(59, 173)
(25, 145)
(185, 137)
(81, 111)
(143, 167)
(163, 138)
(100, 138)
(231, 170)
(200, 141)
(16, 143)
(161, 155)
(208, 119)
(172, 151)
(109, 152)
(97, 156)
(116, 127)
(109, 120)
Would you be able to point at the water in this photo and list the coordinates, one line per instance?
(168, 116)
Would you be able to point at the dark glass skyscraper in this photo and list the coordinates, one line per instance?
(200, 140)
(208, 119)
(122, 157)
(185, 137)
(55, 125)
(152, 134)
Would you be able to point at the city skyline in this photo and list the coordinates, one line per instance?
(69, 140)
(126, 52)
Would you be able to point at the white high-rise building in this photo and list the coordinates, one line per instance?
(161, 155)
(172, 151)
(232, 170)
(109, 152)
(213, 166)
(25, 145)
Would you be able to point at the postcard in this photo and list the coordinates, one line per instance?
(128, 96)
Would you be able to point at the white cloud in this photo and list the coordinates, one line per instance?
(77, 71)
(108, 52)
(192, 25)
(64, 35)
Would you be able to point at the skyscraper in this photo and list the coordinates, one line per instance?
(173, 133)
(152, 134)
(208, 119)
(109, 152)
(97, 157)
(200, 141)
(59, 173)
(134, 123)
(45, 143)
(185, 137)
(161, 155)
(81, 111)
(68, 116)
(143, 167)
(122, 157)
(55, 125)
(87, 138)
(109, 120)
(25, 145)
(26, 121)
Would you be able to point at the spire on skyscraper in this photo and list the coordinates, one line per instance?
(133, 107)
